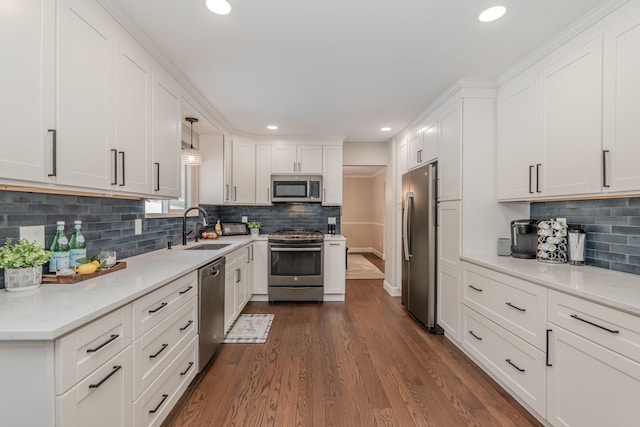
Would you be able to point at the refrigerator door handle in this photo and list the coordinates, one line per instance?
(405, 226)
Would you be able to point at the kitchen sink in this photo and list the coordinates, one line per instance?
(209, 247)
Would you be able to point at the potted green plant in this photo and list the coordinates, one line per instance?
(22, 264)
(254, 226)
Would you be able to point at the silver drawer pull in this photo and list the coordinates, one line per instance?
(153, 356)
(111, 338)
(475, 336)
(512, 364)
(183, 373)
(517, 308)
(99, 383)
(475, 289)
(154, 410)
(187, 325)
(613, 331)
(155, 310)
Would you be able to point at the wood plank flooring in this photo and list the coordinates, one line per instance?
(364, 362)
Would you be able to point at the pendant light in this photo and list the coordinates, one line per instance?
(191, 156)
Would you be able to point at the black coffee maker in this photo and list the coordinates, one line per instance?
(524, 238)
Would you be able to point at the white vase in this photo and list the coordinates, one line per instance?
(22, 279)
(255, 231)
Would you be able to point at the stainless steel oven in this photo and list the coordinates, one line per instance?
(296, 266)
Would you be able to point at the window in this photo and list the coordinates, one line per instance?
(188, 195)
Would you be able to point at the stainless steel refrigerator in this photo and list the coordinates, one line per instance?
(419, 192)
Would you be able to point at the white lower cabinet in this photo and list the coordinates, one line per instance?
(594, 357)
(514, 362)
(334, 266)
(101, 399)
(236, 285)
(157, 401)
(260, 267)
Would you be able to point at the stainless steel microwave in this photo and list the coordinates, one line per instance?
(296, 188)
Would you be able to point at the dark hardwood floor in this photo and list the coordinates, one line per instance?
(364, 362)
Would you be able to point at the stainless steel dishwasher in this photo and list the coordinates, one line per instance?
(211, 309)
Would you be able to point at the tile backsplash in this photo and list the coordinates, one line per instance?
(612, 226)
(108, 223)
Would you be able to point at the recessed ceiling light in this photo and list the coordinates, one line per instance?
(272, 127)
(492, 13)
(385, 129)
(219, 7)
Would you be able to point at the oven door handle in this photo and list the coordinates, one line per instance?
(289, 249)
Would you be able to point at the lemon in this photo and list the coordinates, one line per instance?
(87, 268)
(95, 262)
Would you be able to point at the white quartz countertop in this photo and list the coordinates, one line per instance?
(612, 288)
(53, 310)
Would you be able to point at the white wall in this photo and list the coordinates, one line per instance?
(365, 153)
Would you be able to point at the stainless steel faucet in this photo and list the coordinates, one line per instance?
(184, 222)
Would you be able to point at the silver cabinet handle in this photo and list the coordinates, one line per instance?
(122, 168)
(226, 192)
(605, 170)
(237, 275)
(157, 176)
(54, 153)
(115, 166)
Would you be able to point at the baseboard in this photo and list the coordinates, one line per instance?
(333, 297)
(367, 250)
(260, 297)
(392, 290)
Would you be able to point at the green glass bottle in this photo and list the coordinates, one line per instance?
(77, 245)
(60, 248)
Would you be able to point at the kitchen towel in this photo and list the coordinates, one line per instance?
(250, 329)
(360, 268)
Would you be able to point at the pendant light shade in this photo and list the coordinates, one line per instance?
(191, 156)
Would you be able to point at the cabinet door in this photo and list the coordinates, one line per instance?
(621, 108)
(244, 172)
(85, 73)
(429, 142)
(166, 135)
(104, 398)
(403, 164)
(248, 283)
(284, 158)
(260, 267)
(334, 266)
(449, 302)
(415, 149)
(309, 159)
(227, 149)
(230, 309)
(517, 138)
(240, 285)
(572, 122)
(332, 175)
(450, 152)
(26, 104)
(449, 226)
(589, 385)
(263, 174)
(132, 117)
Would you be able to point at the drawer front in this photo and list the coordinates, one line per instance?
(157, 401)
(606, 326)
(155, 350)
(81, 352)
(516, 305)
(103, 399)
(517, 364)
(153, 308)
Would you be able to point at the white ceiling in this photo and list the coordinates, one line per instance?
(342, 67)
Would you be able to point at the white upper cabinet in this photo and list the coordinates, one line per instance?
(86, 80)
(302, 159)
(622, 107)
(403, 165)
(450, 151)
(332, 175)
(517, 138)
(263, 174)
(27, 86)
(166, 135)
(132, 136)
(572, 122)
(550, 126)
(429, 141)
(243, 169)
(415, 149)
